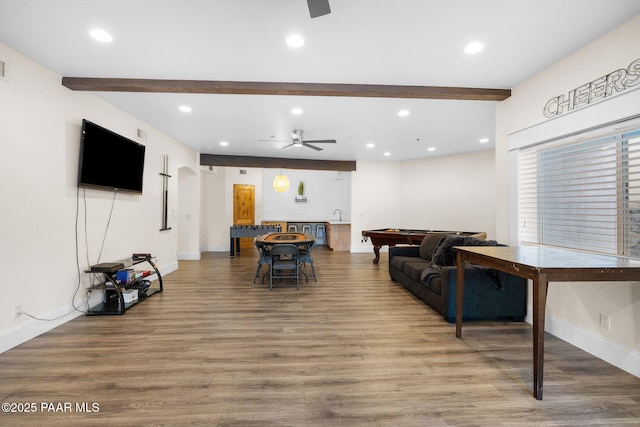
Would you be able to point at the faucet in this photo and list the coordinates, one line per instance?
(340, 212)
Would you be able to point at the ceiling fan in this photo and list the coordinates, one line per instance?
(297, 140)
(318, 7)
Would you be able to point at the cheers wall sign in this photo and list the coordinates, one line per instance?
(596, 90)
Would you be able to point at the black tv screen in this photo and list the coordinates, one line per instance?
(109, 161)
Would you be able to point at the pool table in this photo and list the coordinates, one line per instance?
(398, 236)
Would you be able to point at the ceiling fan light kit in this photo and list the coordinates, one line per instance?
(297, 140)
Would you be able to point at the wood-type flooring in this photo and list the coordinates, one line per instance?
(353, 349)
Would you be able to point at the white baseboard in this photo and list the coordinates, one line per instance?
(360, 250)
(216, 248)
(168, 268)
(31, 328)
(190, 256)
(619, 356)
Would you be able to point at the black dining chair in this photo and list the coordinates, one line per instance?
(263, 259)
(284, 263)
(305, 257)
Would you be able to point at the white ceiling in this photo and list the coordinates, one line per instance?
(399, 42)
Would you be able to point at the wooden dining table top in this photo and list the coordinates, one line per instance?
(282, 238)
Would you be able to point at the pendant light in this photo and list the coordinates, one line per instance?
(281, 183)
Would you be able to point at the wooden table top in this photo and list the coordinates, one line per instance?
(293, 238)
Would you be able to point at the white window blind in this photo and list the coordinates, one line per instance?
(583, 192)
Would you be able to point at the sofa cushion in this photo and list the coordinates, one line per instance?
(398, 262)
(413, 269)
(435, 285)
(429, 244)
(444, 254)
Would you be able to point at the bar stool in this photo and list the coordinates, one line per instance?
(321, 234)
(292, 228)
(306, 229)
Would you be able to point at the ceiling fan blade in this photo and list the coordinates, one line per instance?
(287, 146)
(273, 140)
(323, 141)
(312, 147)
(318, 7)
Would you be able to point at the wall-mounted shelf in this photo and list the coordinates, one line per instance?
(301, 199)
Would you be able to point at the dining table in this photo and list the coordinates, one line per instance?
(302, 240)
(265, 242)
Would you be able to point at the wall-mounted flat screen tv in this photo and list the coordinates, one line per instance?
(109, 161)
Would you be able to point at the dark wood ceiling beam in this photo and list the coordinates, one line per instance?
(276, 162)
(279, 88)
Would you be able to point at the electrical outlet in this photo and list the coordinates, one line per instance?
(605, 321)
(17, 310)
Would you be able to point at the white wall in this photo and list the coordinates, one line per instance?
(447, 193)
(375, 199)
(217, 203)
(451, 193)
(573, 309)
(40, 124)
(214, 228)
(325, 191)
(188, 214)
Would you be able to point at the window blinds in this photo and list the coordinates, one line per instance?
(583, 192)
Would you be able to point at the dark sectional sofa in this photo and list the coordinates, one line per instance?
(429, 272)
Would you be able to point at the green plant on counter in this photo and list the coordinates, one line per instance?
(301, 188)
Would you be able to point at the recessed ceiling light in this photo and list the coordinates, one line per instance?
(224, 143)
(371, 145)
(296, 111)
(431, 149)
(483, 140)
(386, 153)
(185, 109)
(403, 113)
(473, 47)
(101, 35)
(295, 40)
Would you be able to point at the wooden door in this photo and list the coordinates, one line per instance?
(244, 209)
